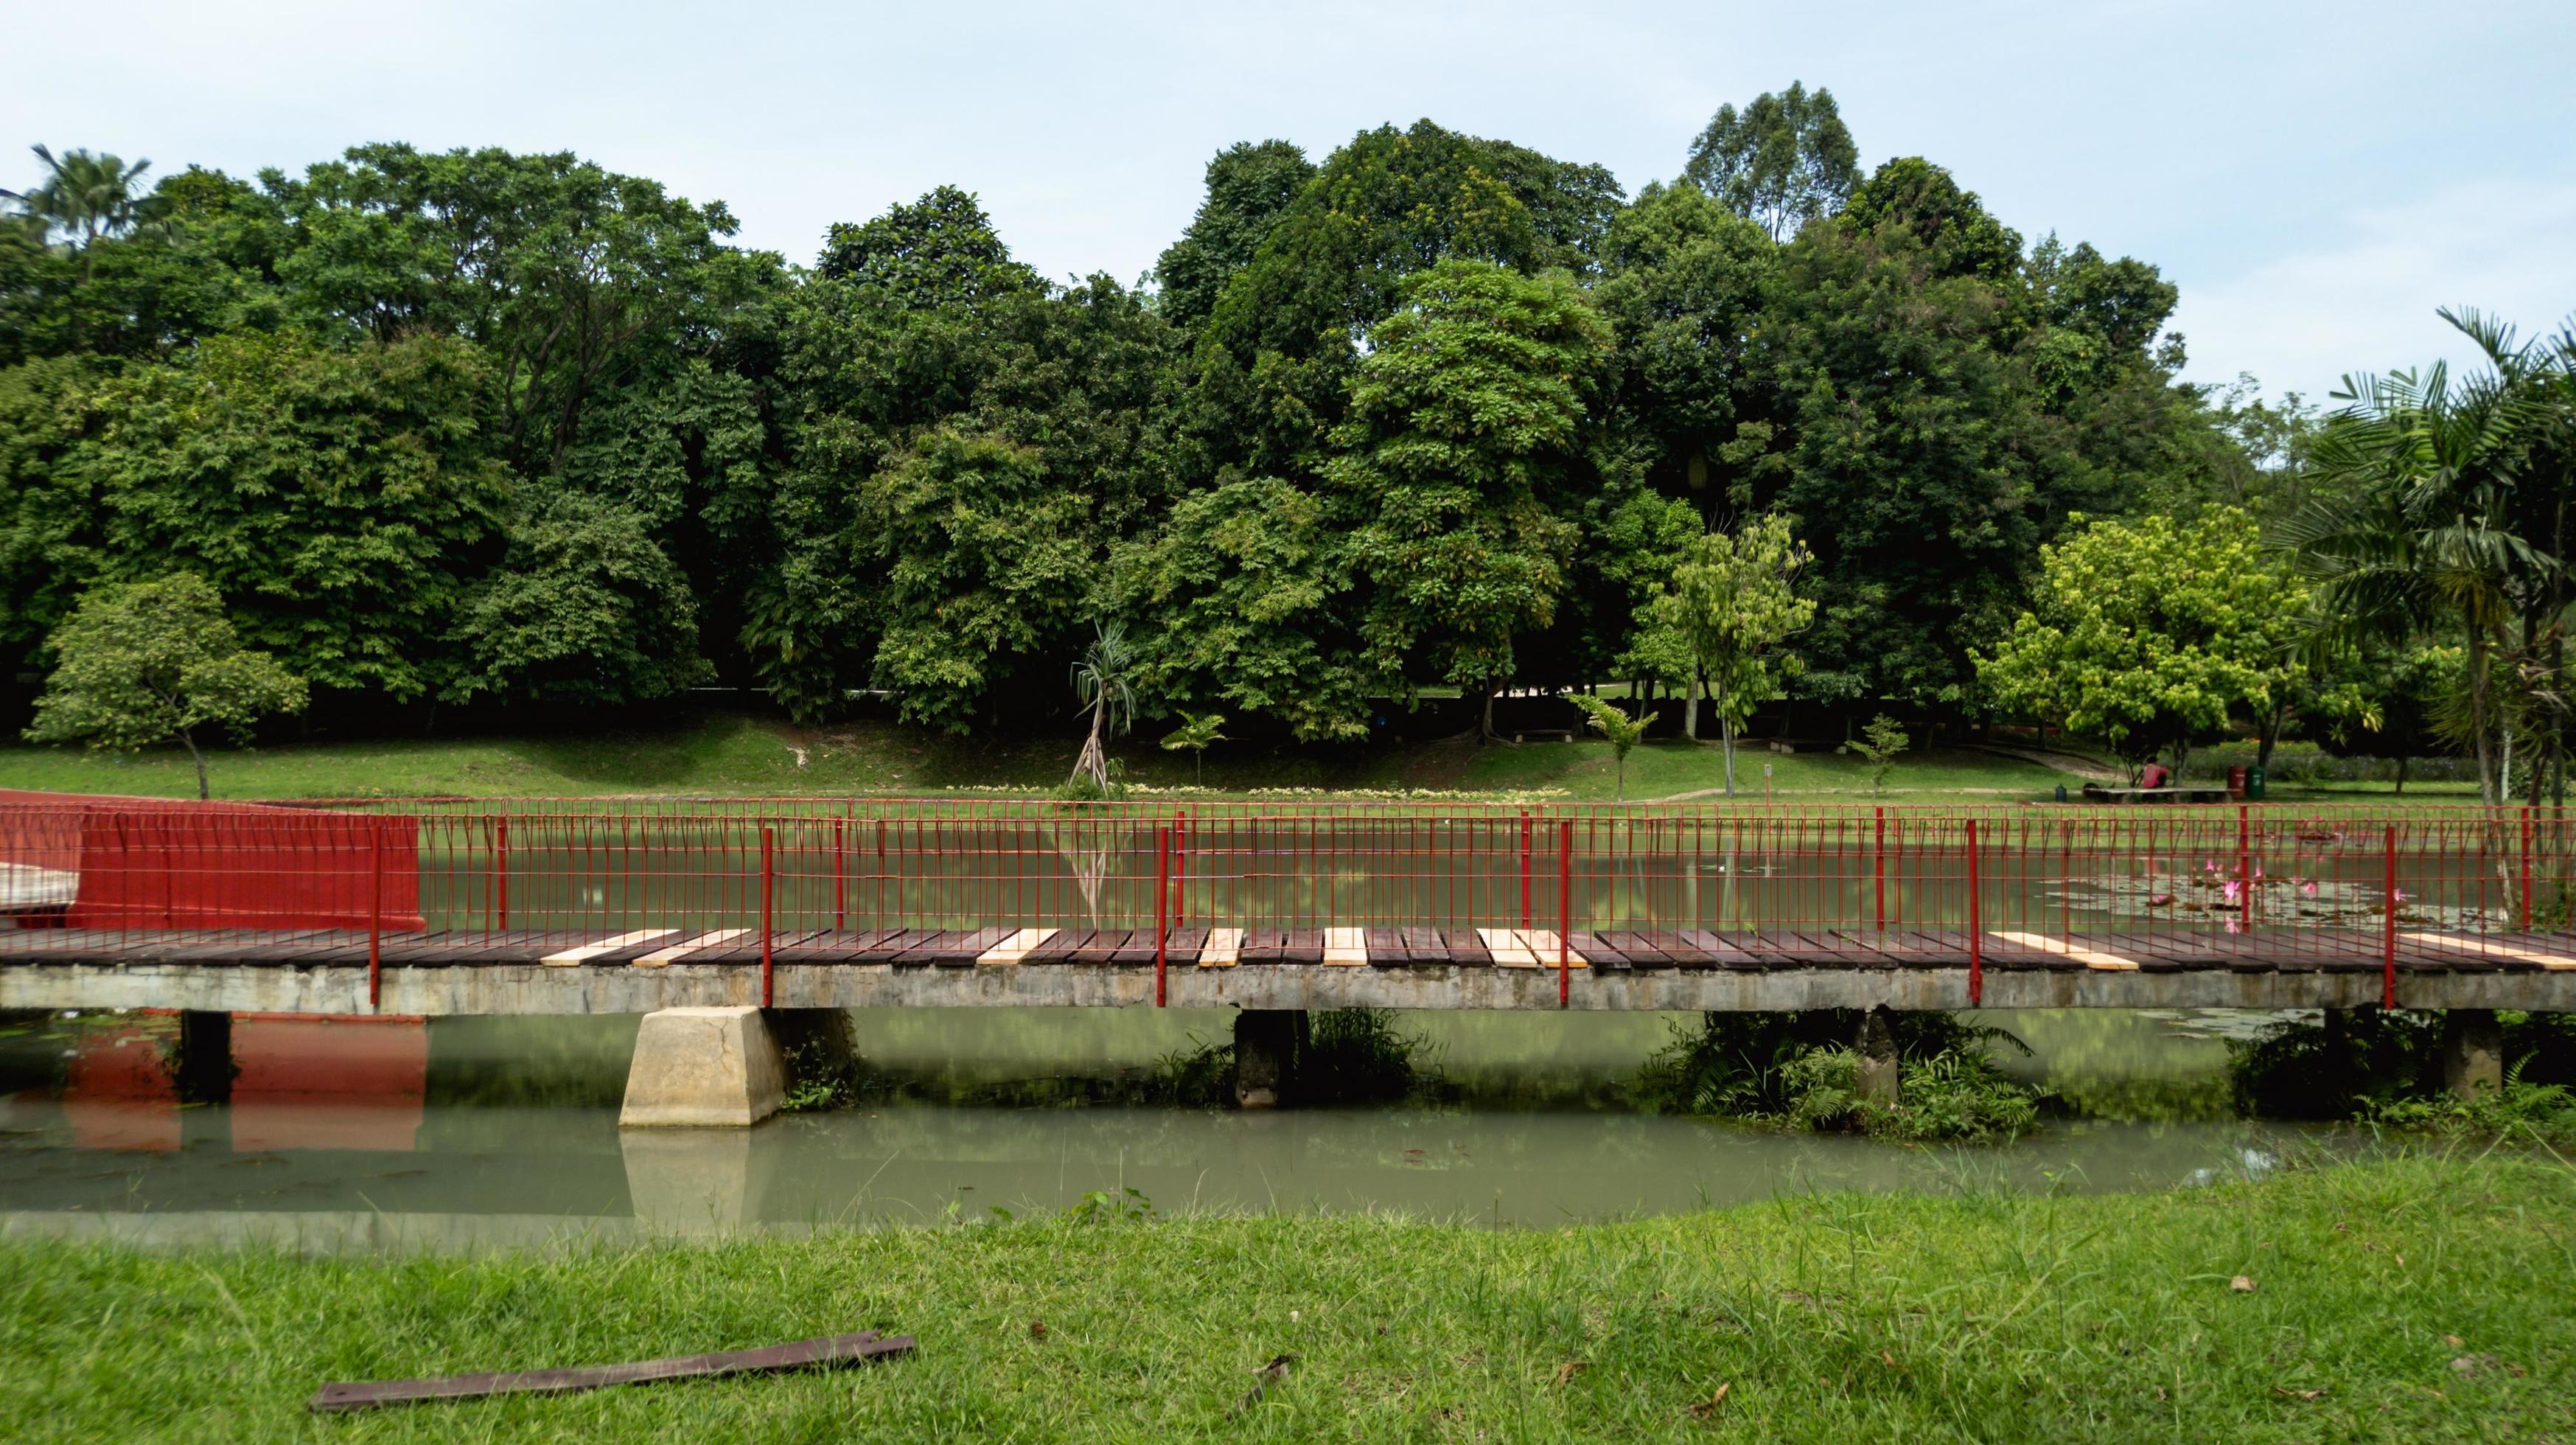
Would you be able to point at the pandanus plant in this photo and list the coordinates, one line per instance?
(1104, 683)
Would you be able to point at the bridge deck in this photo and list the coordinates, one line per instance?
(469, 972)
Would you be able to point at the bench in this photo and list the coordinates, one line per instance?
(2184, 793)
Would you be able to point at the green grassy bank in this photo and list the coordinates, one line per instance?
(2411, 1298)
(723, 752)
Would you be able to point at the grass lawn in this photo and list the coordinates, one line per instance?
(2415, 1298)
(720, 752)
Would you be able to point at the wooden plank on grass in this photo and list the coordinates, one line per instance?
(795, 1355)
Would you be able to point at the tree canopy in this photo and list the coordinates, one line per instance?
(1428, 410)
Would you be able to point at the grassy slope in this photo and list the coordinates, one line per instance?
(731, 753)
(1833, 1317)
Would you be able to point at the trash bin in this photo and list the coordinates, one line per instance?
(2254, 785)
(2236, 783)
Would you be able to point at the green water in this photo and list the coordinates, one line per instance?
(464, 1133)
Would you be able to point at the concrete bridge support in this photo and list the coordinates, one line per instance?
(1266, 1044)
(202, 1067)
(727, 1067)
(2472, 1052)
(1877, 1048)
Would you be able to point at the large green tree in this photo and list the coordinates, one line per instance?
(1461, 468)
(2149, 633)
(1734, 604)
(343, 500)
(1248, 186)
(1782, 161)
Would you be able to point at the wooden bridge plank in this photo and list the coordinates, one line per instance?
(1060, 947)
(1465, 948)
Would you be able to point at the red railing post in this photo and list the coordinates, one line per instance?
(1976, 928)
(2526, 869)
(376, 914)
(2244, 866)
(2388, 929)
(1564, 913)
(840, 876)
(1180, 867)
(1162, 906)
(1878, 871)
(768, 915)
(501, 867)
(1525, 872)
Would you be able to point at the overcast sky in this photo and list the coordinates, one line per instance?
(2317, 177)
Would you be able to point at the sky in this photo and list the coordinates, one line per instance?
(2317, 178)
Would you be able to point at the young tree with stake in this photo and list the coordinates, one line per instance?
(143, 662)
(1735, 601)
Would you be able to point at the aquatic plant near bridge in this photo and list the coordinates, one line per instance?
(1799, 1070)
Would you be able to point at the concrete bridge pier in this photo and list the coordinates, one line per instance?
(201, 1067)
(727, 1067)
(1267, 1042)
(2472, 1052)
(1877, 1048)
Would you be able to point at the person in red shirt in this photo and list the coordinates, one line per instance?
(2155, 776)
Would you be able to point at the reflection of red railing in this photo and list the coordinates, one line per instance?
(761, 881)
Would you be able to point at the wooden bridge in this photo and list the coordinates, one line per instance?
(723, 919)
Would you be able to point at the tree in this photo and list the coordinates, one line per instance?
(1734, 600)
(1240, 596)
(1196, 732)
(85, 197)
(1247, 187)
(1622, 732)
(1786, 160)
(1879, 744)
(939, 251)
(568, 275)
(584, 608)
(1104, 684)
(143, 662)
(2146, 633)
(2425, 534)
(1458, 466)
(343, 499)
(1270, 375)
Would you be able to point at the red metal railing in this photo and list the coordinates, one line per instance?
(1906, 883)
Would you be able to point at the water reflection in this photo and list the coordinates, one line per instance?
(488, 1132)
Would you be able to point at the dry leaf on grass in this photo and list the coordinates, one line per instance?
(2285, 1390)
(2242, 1284)
(1569, 1370)
(1037, 1329)
(1708, 1407)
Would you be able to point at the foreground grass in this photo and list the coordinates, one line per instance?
(2419, 1298)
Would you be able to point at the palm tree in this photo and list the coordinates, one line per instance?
(2431, 525)
(86, 196)
(1104, 682)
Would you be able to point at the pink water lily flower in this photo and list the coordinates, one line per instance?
(2232, 891)
(2309, 888)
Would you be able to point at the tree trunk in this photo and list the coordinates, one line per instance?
(203, 792)
(1690, 708)
(1726, 731)
(2480, 732)
(2401, 775)
(1485, 729)
(2269, 734)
